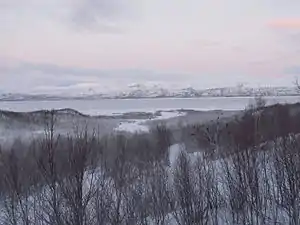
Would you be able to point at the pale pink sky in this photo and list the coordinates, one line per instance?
(204, 42)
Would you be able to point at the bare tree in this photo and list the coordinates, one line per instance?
(78, 188)
(47, 164)
(287, 171)
(159, 191)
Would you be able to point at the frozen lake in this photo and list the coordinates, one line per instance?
(117, 106)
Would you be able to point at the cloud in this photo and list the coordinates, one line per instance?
(30, 76)
(38, 77)
(259, 62)
(27, 77)
(55, 70)
(105, 16)
(12, 3)
(99, 15)
(89, 11)
(206, 43)
(294, 70)
(21, 68)
(287, 34)
(285, 23)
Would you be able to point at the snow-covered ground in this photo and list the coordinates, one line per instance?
(133, 126)
(265, 165)
(224, 214)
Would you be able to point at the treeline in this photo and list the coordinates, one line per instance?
(83, 179)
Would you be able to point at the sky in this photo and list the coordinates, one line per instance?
(50, 45)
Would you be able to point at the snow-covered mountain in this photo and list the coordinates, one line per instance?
(157, 91)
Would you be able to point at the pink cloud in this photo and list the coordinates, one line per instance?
(285, 23)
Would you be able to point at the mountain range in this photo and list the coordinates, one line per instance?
(155, 91)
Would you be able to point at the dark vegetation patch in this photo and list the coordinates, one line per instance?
(38, 117)
(248, 129)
